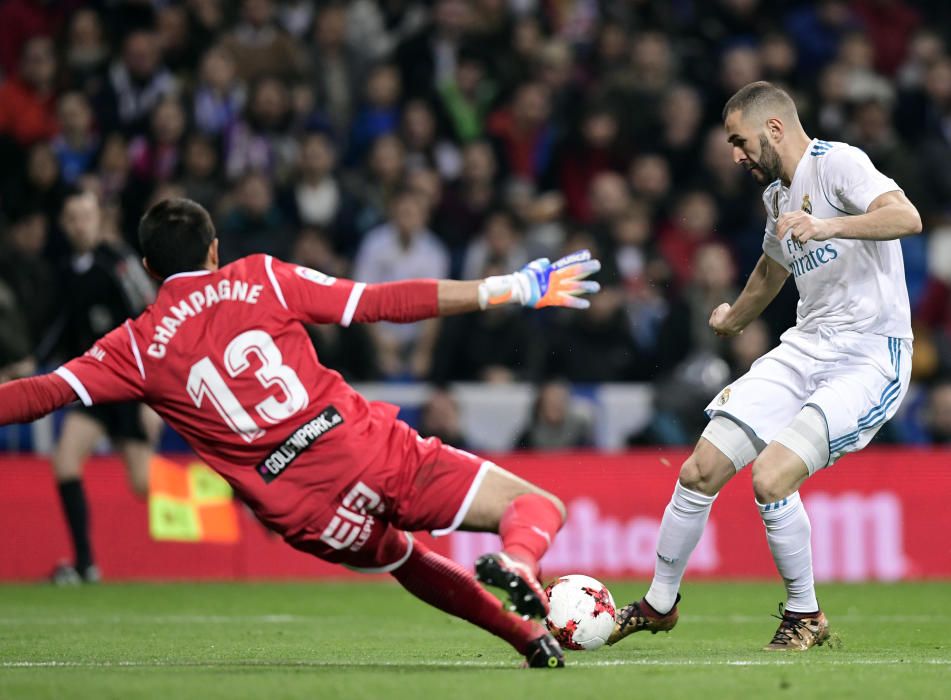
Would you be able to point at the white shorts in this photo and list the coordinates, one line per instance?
(857, 381)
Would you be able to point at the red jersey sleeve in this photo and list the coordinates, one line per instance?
(317, 298)
(312, 296)
(111, 370)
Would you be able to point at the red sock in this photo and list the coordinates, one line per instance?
(444, 584)
(528, 527)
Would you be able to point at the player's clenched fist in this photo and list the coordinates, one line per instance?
(719, 321)
(543, 283)
(803, 227)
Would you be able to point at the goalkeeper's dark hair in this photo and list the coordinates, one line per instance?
(175, 235)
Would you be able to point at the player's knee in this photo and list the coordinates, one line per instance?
(769, 485)
(557, 502)
(139, 484)
(695, 475)
(66, 467)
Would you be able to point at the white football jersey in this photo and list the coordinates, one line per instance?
(844, 284)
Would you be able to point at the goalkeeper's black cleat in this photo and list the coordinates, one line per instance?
(544, 652)
(526, 595)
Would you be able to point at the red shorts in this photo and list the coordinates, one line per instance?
(416, 484)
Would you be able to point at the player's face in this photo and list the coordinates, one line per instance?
(81, 222)
(752, 150)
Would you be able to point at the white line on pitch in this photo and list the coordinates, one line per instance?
(283, 619)
(464, 664)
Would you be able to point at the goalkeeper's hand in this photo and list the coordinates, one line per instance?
(542, 283)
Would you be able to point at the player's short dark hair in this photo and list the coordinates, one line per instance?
(175, 235)
(759, 96)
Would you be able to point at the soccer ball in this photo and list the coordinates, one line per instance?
(582, 612)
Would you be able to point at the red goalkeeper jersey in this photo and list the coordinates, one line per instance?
(223, 358)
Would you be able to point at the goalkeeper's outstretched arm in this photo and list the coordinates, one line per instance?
(539, 284)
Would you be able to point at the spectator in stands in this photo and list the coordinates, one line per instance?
(467, 202)
(201, 171)
(682, 112)
(179, 49)
(440, 418)
(255, 224)
(219, 95)
(609, 199)
(384, 175)
(77, 144)
(692, 225)
(523, 134)
(430, 57)
(596, 346)
(817, 28)
(26, 294)
(650, 180)
(137, 82)
(86, 59)
(259, 46)
(403, 248)
(593, 150)
(556, 424)
(157, 156)
(424, 147)
(465, 99)
(43, 189)
(778, 60)
(21, 21)
(379, 113)
(937, 418)
(28, 101)
(261, 141)
(337, 69)
(498, 245)
(316, 197)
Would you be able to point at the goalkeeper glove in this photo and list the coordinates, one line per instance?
(542, 283)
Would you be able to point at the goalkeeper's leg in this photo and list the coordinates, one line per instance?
(527, 520)
(445, 585)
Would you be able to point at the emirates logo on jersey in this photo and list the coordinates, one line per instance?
(806, 204)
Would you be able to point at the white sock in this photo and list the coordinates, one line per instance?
(788, 532)
(680, 530)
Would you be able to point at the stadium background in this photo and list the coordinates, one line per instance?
(393, 139)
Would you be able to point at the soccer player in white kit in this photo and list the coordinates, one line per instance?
(833, 221)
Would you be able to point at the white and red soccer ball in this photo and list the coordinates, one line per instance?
(582, 612)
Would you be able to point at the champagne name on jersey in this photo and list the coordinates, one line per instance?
(196, 302)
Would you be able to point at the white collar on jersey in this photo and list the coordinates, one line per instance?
(194, 273)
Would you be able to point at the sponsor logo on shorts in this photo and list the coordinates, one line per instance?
(723, 397)
(352, 524)
(806, 204)
(302, 438)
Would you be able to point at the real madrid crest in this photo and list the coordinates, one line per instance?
(723, 397)
(806, 204)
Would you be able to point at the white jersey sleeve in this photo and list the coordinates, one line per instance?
(850, 182)
(771, 244)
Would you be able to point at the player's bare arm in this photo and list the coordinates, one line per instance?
(890, 216)
(761, 288)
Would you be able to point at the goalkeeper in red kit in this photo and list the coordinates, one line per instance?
(222, 355)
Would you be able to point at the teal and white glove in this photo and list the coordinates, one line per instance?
(542, 283)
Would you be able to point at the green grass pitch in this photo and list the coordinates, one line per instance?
(372, 640)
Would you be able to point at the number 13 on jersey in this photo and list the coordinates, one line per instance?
(204, 380)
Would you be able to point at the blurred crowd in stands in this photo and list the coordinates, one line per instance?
(402, 138)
